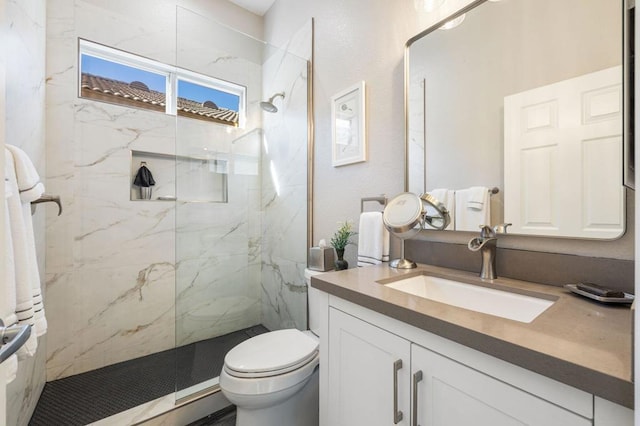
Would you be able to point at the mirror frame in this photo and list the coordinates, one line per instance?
(627, 178)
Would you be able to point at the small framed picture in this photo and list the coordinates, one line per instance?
(349, 142)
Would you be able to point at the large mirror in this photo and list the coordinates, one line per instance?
(516, 115)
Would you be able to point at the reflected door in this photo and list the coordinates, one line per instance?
(562, 153)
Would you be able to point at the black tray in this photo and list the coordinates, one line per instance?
(628, 298)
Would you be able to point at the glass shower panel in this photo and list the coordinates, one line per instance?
(227, 198)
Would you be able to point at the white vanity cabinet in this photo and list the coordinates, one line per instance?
(379, 371)
(368, 374)
(447, 393)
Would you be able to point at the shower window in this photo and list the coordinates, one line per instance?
(118, 77)
(209, 99)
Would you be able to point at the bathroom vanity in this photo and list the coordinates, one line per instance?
(390, 357)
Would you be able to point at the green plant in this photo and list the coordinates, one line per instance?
(341, 238)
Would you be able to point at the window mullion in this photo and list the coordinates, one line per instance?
(172, 94)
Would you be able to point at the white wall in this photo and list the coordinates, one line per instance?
(356, 40)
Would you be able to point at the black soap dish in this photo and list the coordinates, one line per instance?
(600, 293)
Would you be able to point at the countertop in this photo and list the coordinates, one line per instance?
(579, 342)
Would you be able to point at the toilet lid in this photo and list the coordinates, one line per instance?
(274, 352)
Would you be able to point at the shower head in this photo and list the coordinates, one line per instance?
(268, 106)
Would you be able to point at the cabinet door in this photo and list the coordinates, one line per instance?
(452, 394)
(368, 371)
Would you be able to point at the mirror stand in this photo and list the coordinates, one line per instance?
(402, 263)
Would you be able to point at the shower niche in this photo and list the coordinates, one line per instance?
(180, 177)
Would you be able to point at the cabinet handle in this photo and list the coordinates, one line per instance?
(417, 377)
(397, 415)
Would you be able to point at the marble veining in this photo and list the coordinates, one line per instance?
(284, 188)
(128, 278)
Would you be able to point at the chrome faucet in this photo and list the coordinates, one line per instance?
(487, 244)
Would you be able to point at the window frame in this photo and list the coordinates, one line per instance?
(172, 75)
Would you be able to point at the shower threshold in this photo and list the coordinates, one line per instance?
(88, 397)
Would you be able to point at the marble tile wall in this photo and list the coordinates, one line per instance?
(24, 44)
(127, 278)
(115, 267)
(217, 275)
(284, 186)
(110, 261)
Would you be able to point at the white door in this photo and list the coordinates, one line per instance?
(452, 394)
(563, 158)
(363, 365)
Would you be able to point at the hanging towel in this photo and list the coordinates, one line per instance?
(144, 178)
(22, 267)
(373, 240)
(30, 189)
(440, 194)
(8, 291)
(448, 198)
(468, 216)
(26, 175)
(478, 195)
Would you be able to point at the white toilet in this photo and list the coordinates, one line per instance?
(272, 378)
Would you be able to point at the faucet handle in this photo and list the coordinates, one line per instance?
(487, 232)
(502, 228)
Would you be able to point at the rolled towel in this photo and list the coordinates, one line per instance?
(373, 240)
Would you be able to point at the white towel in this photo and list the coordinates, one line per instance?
(440, 194)
(373, 240)
(30, 189)
(478, 196)
(8, 291)
(448, 198)
(471, 218)
(23, 269)
(29, 184)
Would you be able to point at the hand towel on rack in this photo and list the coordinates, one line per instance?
(373, 240)
(468, 216)
(30, 189)
(22, 265)
(478, 196)
(448, 198)
(8, 291)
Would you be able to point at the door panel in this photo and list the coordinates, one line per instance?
(361, 375)
(452, 394)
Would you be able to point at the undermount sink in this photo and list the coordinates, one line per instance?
(505, 304)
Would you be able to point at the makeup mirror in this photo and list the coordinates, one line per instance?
(406, 214)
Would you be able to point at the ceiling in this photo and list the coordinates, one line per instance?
(259, 7)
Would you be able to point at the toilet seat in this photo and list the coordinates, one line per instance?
(271, 354)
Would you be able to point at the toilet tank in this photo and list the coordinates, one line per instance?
(318, 302)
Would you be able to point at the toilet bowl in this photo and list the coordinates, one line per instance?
(272, 378)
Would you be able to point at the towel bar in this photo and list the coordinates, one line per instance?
(12, 338)
(381, 200)
(45, 198)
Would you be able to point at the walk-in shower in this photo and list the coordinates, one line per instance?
(216, 255)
